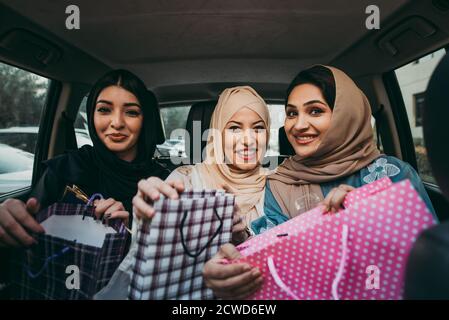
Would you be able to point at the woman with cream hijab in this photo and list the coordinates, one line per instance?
(328, 123)
(236, 144)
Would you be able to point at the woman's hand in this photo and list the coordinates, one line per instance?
(16, 220)
(111, 209)
(231, 281)
(334, 199)
(150, 190)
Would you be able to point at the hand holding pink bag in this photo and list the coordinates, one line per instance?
(358, 253)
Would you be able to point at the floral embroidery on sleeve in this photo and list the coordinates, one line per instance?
(380, 169)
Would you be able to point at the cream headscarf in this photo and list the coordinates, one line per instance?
(346, 147)
(247, 186)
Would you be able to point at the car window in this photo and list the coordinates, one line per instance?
(175, 117)
(277, 117)
(22, 98)
(80, 125)
(17, 160)
(413, 79)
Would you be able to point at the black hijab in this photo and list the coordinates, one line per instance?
(97, 169)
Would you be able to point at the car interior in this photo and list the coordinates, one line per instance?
(187, 52)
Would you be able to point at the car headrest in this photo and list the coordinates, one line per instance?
(199, 118)
(285, 148)
(435, 119)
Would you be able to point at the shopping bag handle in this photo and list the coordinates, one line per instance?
(184, 246)
(47, 261)
(90, 203)
(94, 197)
(281, 284)
(341, 267)
(277, 279)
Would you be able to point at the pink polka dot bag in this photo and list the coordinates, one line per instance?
(358, 253)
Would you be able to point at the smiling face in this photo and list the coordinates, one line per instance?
(308, 117)
(118, 121)
(245, 140)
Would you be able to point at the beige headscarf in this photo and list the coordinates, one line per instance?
(247, 186)
(346, 147)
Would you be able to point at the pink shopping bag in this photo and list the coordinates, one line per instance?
(358, 253)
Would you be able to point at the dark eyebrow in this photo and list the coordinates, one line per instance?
(104, 101)
(314, 101)
(306, 104)
(127, 104)
(131, 104)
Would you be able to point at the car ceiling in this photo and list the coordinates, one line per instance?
(171, 44)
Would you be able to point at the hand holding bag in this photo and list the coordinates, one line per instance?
(356, 254)
(174, 246)
(74, 241)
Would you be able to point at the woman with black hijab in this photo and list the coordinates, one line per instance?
(124, 125)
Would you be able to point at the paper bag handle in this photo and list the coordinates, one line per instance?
(277, 279)
(47, 261)
(91, 202)
(184, 246)
(341, 267)
(344, 252)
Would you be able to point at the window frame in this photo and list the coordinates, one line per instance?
(45, 128)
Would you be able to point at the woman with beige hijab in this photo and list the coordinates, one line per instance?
(236, 144)
(328, 123)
